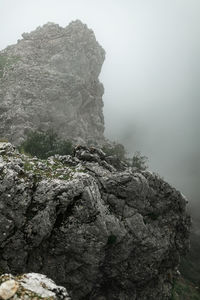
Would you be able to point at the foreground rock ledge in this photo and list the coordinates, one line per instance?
(30, 286)
(101, 233)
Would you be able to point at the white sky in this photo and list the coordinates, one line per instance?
(151, 73)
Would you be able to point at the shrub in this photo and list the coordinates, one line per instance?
(184, 289)
(44, 144)
(115, 149)
(139, 161)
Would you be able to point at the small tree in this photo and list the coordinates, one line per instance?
(139, 161)
(44, 144)
(115, 149)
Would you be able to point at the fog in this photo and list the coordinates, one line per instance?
(151, 74)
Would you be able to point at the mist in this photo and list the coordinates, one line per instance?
(151, 74)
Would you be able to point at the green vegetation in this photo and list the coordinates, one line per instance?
(92, 143)
(6, 61)
(44, 144)
(45, 169)
(184, 290)
(190, 264)
(188, 287)
(3, 140)
(3, 61)
(139, 161)
(116, 149)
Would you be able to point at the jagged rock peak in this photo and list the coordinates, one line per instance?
(49, 79)
(52, 30)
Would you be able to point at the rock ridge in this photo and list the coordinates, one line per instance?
(100, 232)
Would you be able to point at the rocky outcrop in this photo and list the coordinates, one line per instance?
(49, 79)
(30, 286)
(101, 233)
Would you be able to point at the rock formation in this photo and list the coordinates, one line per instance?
(49, 79)
(100, 232)
(30, 286)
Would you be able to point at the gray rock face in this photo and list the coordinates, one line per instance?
(49, 79)
(101, 233)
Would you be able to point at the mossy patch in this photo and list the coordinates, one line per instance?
(184, 290)
(38, 169)
(7, 61)
(44, 169)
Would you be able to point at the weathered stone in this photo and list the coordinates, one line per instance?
(31, 286)
(100, 232)
(50, 80)
(8, 289)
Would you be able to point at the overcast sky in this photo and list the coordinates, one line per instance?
(151, 74)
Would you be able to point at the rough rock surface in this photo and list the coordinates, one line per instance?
(30, 286)
(49, 79)
(100, 232)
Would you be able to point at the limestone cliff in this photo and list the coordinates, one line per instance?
(101, 233)
(49, 79)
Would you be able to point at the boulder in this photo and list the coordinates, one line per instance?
(30, 286)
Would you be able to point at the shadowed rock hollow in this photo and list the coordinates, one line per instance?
(100, 232)
(49, 79)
